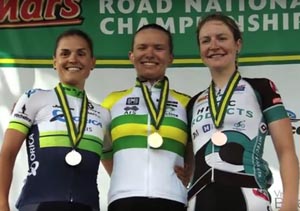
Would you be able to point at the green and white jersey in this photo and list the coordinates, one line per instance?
(39, 115)
(138, 169)
(254, 104)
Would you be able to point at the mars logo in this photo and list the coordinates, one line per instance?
(35, 13)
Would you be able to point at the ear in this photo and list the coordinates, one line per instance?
(54, 62)
(239, 44)
(131, 56)
(171, 59)
(93, 63)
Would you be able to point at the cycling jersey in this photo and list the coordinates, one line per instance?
(254, 104)
(39, 115)
(139, 170)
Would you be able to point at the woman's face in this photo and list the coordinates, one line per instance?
(218, 49)
(73, 61)
(151, 54)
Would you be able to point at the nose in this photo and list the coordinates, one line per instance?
(213, 44)
(73, 57)
(149, 52)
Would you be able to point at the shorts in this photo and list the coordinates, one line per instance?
(56, 206)
(146, 204)
(216, 197)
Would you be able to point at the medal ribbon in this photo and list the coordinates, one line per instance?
(218, 111)
(156, 114)
(74, 134)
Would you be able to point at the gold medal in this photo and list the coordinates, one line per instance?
(155, 140)
(219, 138)
(73, 158)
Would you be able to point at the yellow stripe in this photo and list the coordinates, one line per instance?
(176, 61)
(67, 113)
(227, 94)
(142, 130)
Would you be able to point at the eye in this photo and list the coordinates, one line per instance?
(204, 41)
(222, 38)
(141, 47)
(81, 53)
(160, 47)
(64, 53)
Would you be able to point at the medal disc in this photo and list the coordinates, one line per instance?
(155, 140)
(73, 158)
(219, 138)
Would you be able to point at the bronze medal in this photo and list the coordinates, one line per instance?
(219, 138)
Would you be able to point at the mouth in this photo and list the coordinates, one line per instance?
(215, 56)
(73, 69)
(149, 63)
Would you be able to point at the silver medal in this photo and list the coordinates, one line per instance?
(73, 158)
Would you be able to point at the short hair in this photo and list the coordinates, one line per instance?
(158, 27)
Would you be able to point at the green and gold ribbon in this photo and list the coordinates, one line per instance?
(74, 134)
(218, 111)
(157, 114)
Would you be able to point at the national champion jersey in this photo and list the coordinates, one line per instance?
(254, 104)
(39, 115)
(139, 170)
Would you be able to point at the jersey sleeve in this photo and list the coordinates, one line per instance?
(269, 99)
(24, 112)
(107, 142)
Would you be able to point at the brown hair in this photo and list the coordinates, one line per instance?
(229, 22)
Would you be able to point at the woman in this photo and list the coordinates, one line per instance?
(149, 131)
(64, 133)
(229, 122)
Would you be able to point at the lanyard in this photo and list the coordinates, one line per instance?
(157, 114)
(218, 111)
(74, 134)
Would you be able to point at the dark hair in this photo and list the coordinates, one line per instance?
(232, 25)
(75, 32)
(158, 27)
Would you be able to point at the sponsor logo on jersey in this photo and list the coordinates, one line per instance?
(207, 127)
(131, 109)
(34, 164)
(261, 194)
(59, 116)
(22, 115)
(170, 111)
(240, 87)
(30, 92)
(132, 101)
(263, 128)
(239, 125)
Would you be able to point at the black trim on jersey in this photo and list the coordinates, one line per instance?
(263, 87)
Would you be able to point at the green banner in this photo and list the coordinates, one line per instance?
(28, 28)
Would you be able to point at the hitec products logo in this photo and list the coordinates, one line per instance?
(37, 13)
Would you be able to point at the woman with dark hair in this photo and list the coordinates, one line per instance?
(64, 133)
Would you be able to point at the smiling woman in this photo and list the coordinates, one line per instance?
(64, 133)
(230, 171)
